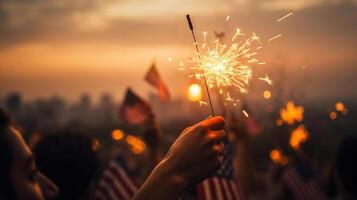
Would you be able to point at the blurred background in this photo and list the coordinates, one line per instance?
(66, 65)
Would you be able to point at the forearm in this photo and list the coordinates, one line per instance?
(162, 184)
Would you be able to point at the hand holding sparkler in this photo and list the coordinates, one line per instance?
(194, 156)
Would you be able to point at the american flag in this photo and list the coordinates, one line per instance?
(154, 79)
(222, 185)
(116, 182)
(302, 184)
(134, 110)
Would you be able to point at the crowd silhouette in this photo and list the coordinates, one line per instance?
(52, 150)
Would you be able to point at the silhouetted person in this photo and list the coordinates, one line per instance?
(195, 155)
(70, 161)
(346, 164)
(19, 177)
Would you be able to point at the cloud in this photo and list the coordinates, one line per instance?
(299, 4)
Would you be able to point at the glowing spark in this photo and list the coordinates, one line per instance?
(169, 59)
(226, 66)
(203, 103)
(204, 33)
(292, 113)
(298, 136)
(238, 32)
(229, 98)
(261, 63)
(227, 18)
(267, 79)
(245, 113)
(284, 17)
(273, 38)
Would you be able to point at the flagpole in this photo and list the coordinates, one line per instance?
(199, 57)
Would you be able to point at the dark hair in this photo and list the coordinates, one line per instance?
(6, 158)
(346, 164)
(69, 161)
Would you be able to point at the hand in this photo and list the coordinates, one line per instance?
(196, 153)
(193, 157)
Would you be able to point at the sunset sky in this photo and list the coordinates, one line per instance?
(66, 47)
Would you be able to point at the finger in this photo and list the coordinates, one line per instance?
(216, 136)
(214, 123)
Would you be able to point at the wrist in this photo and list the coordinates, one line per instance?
(174, 181)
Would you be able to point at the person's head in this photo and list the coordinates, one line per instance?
(19, 178)
(346, 164)
(70, 161)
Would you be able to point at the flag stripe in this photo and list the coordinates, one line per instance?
(109, 190)
(218, 188)
(300, 188)
(234, 189)
(127, 182)
(115, 185)
(227, 192)
(207, 190)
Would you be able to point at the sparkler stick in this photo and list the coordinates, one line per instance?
(199, 57)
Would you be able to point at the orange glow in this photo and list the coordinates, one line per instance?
(298, 136)
(137, 145)
(292, 113)
(333, 115)
(117, 134)
(194, 92)
(277, 156)
(279, 122)
(339, 106)
(267, 94)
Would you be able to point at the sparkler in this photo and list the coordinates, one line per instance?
(199, 57)
(225, 67)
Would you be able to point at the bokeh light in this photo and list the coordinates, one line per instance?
(277, 156)
(298, 136)
(333, 115)
(267, 94)
(292, 113)
(117, 134)
(194, 92)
